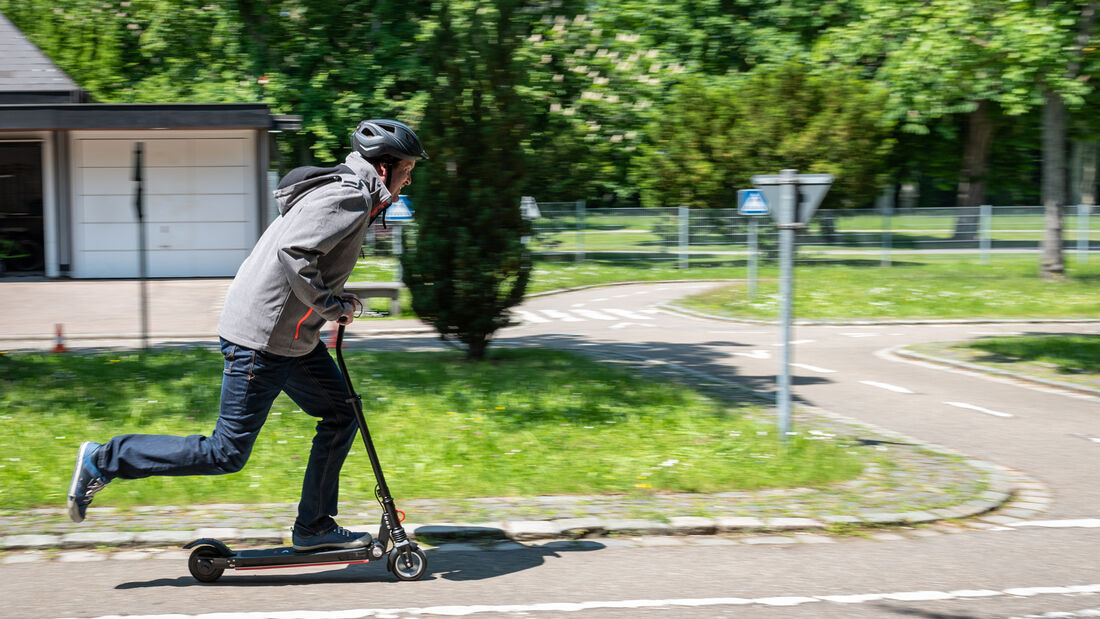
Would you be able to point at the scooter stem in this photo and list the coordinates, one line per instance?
(393, 523)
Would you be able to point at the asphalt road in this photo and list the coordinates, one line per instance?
(1020, 570)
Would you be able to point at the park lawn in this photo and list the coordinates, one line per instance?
(916, 288)
(525, 422)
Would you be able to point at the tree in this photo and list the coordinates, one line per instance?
(468, 265)
(951, 57)
(719, 132)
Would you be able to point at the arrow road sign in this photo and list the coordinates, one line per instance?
(751, 202)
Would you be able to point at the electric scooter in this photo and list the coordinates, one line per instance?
(210, 557)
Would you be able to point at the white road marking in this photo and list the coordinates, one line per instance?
(563, 316)
(1080, 523)
(623, 325)
(795, 342)
(980, 409)
(571, 607)
(593, 314)
(888, 355)
(526, 316)
(624, 313)
(756, 354)
(813, 368)
(886, 386)
(862, 334)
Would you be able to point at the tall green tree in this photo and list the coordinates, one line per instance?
(720, 132)
(468, 265)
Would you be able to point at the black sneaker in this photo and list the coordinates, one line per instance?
(336, 538)
(87, 480)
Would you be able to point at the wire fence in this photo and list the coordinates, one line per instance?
(572, 231)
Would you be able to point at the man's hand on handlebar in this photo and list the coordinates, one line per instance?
(352, 307)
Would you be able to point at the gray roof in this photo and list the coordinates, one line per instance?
(27, 75)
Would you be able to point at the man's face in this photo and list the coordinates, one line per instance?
(400, 175)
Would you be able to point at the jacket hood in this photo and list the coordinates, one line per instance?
(300, 181)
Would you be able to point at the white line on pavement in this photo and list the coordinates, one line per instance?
(795, 342)
(886, 386)
(979, 409)
(1080, 523)
(526, 316)
(593, 314)
(625, 314)
(813, 368)
(570, 607)
(756, 354)
(563, 316)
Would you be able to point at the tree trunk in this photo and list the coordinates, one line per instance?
(1052, 264)
(971, 191)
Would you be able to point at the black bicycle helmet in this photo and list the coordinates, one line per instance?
(381, 137)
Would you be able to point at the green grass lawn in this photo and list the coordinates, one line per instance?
(525, 422)
(916, 288)
(1065, 354)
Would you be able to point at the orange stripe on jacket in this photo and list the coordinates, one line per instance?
(298, 328)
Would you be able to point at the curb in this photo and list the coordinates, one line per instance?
(1002, 491)
(902, 351)
(676, 309)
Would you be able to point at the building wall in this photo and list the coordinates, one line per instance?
(200, 202)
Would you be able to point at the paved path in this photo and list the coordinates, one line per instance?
(1036, 555)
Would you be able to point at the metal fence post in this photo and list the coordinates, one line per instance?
(685, 235)
(1083, 211)
(887, 235)
(985, 227)
(752, 257)
(579, 255)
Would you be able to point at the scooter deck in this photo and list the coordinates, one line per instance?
(286, 556)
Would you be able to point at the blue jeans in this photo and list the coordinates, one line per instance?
(251, 382)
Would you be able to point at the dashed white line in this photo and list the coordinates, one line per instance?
(980, 409)
(563, 316)
(795, 342)
(625, 314)
(756, 354)
(526, 316)
(813, 368)
(886, 386)
(571, 607)
(1080, 523)
(593, 314)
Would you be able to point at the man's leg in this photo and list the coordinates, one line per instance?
(250, 383)
(317, 386)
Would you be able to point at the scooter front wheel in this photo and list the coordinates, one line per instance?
(201, 564)
(408, 562)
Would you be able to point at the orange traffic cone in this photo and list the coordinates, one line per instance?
(59, 341)
(329, 337)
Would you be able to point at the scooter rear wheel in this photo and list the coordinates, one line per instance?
(201, 566)
(408, 563)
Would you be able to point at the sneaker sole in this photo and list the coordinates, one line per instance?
(343, 546)
(74, 509)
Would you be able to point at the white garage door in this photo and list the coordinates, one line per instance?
(200, 202)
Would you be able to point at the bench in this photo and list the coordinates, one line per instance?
(368, 290)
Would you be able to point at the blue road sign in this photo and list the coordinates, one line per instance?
(400, 211)
(751, 202)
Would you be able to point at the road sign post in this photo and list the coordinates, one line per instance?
(752, 202)
(796, 197)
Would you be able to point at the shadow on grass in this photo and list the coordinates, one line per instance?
(1070, 354)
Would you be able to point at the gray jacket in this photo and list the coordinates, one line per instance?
(290, 285)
